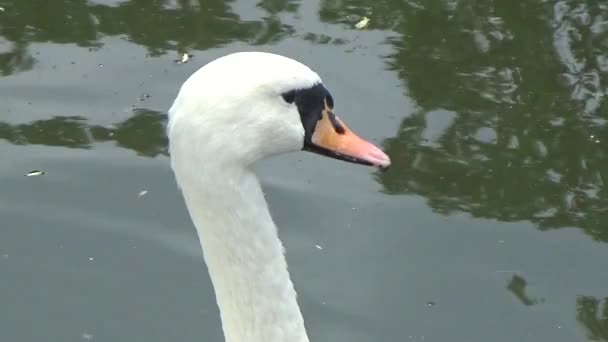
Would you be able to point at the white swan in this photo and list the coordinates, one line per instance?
(233, 111)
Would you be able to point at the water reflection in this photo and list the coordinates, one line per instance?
(511, 96)
(592, 313)
(160, 25)
(143, 133)
(512, 111)
(518, 286)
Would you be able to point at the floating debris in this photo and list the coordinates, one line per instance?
(142, 193)
(184, 58)
(87, 336)
(91, 259)
(430, 304)
(594, 139)
(34, 173)
(362, 23)
(1, 9)
(319, 247)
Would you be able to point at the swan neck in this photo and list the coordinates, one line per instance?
(244, 256)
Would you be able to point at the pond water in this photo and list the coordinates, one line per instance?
(490, 226)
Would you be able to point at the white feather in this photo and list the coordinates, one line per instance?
(226, 116)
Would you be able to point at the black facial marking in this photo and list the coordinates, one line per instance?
(335, 123)
(310, 103)
(289, 96)
(330, 100)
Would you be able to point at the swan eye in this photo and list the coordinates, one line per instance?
(289, 96)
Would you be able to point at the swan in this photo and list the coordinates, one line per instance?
(233, 111)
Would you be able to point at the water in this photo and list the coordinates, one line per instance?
(489, 227)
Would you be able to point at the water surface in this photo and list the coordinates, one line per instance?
(489, 227)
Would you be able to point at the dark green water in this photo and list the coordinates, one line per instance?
(491, 225)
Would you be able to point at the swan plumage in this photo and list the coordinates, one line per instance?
(233, 111)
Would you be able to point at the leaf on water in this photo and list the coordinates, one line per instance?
(362, 23)
(184, 58)
(34, 173)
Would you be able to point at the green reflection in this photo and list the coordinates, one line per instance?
(143, 133)
(511, 119)
(159, 25)
(518, 286)
(592, 313)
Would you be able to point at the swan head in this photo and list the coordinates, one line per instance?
(248, 106)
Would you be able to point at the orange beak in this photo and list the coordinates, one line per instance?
(332, 138)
